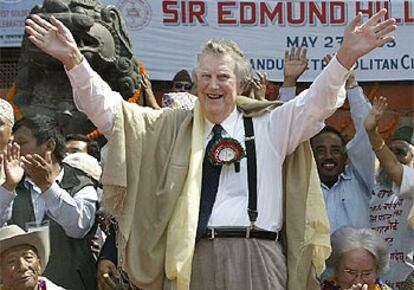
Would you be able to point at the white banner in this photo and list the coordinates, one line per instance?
(167, 34)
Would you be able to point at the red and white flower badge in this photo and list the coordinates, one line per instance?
(226, 151)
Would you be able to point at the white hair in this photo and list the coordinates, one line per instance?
(6, 112)
(222, 47)
(347, 239)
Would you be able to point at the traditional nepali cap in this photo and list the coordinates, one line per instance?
(6, 112)
(182, 76)
(85, 163)
(404, 133)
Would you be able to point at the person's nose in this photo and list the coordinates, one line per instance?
(22, 265)
(328, 154)
(213, 83)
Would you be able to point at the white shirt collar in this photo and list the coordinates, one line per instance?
(228, 125)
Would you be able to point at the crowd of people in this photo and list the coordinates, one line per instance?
(210, 189)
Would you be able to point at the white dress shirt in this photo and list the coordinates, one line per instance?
(76, 215)
(277, 133)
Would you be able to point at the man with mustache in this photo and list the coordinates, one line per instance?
(346, 171)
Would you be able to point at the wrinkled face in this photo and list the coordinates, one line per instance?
(28, 143)
(20, 268)
(403, 151)
(357, 266)
(74, 146)
(330, 156)
(5, 134)
(217, 86)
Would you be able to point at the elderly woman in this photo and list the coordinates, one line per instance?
(23, 257)
(358, 257)
(6, 125)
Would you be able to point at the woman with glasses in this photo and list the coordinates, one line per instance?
(358, 257)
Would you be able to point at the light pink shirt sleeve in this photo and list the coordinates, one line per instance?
(93, 96)
(303, 117)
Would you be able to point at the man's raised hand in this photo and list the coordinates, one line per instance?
(295, 65)
(359, 40)
(55, 39)
(379, 106)
(13, 169)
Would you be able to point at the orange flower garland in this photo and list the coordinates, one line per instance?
(332, 285)
(9, 97)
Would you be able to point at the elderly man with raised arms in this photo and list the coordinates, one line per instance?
(189, 223)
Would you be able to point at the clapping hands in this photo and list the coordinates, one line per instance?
(256, 86)
(13, 169)
(359, 286)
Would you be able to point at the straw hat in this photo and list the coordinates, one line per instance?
(13, 235)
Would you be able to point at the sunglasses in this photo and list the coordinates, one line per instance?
(182, 86)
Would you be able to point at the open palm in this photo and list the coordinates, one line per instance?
(13, 169)
(51, 37)
(378, 108)
(361, 39)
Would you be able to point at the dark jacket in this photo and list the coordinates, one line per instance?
(71, 263)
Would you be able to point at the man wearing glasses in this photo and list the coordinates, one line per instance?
(181, 82)
(180, 96)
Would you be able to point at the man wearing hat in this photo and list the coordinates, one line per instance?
(393, 195)
(180, 96)
(48, 189)
(23, 257)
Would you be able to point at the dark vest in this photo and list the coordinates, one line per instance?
(71, 264)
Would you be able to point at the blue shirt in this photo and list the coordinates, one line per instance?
(347, 201)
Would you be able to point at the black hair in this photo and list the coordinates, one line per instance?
(43, 129)
(329, 129)
(92, 148)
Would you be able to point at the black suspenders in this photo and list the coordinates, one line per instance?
(251, 169)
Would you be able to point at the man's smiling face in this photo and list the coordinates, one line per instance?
(330, 156)
(20, 268)
(217, 86)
